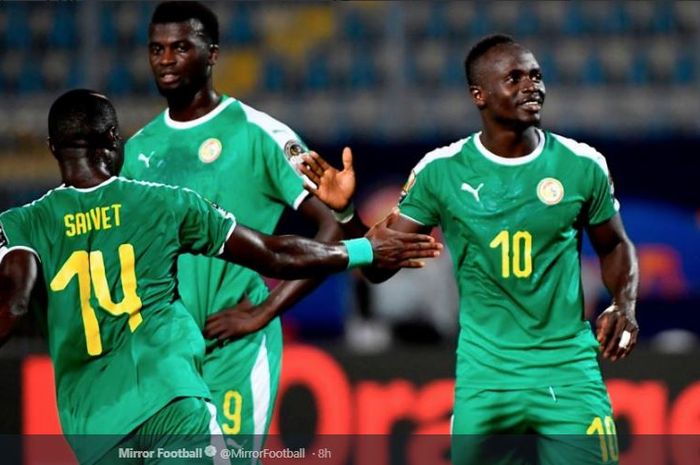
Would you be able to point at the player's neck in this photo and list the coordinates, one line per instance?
(80, 173)
(191, 107)
(510, 143)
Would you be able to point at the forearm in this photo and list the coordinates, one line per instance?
(620, 273)
(288, 257)
(296, 257)
(18, 273)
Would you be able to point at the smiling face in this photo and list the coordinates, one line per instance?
(181, 57)
(509, 88)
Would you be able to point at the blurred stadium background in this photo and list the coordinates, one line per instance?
(387, 79)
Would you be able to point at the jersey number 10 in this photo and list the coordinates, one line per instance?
(90, 269)
(521, 256)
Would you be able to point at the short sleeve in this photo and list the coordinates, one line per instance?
(204, 227)
(602, 204)
(280, 149)
(15, 232)
(417, 201)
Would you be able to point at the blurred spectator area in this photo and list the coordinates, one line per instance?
(306, 47)
(385, 70)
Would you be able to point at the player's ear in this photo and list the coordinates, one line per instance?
(52, 148)
(213, 54)
(477, 94)
(113, 136)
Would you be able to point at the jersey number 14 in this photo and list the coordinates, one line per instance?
(517, 257)
(89, 267)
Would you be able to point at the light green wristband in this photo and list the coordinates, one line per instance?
(359, 252)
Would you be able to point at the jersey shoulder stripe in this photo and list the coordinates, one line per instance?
(442, 152)
(158, 185)
(136, 134)
(152, 125)
(4, 240)
(278, 131)
(586, 151)
(583, 150)
(40, 200)
(152, 184)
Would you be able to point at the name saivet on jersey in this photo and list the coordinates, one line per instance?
(513, 227)
(122, 348)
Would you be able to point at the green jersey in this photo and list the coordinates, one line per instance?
(237, 157)
(513, 227)
(121, 346)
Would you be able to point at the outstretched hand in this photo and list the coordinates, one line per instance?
(616, 332)
(334, 188)
(395, 249)
(234, 323)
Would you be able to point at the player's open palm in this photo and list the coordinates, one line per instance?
(334, 188)
(616, 332)
(395, 249)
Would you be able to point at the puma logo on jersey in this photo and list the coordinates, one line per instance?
(146, 159)
(472, 191)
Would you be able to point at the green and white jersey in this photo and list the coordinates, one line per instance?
(121, 346)
(513, 227)
(238, 158)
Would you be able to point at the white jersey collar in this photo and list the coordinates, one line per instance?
(225, 102)
(510, 161)
(89, 189)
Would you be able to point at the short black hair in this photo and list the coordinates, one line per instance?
(179, 12)
(479, 50)
(81, 117)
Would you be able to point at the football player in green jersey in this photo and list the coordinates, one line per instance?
(512, 201)
(127, 356)
(242, 159)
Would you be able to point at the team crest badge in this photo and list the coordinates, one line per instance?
(293, 149)
(210, 150)
(550, 191)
